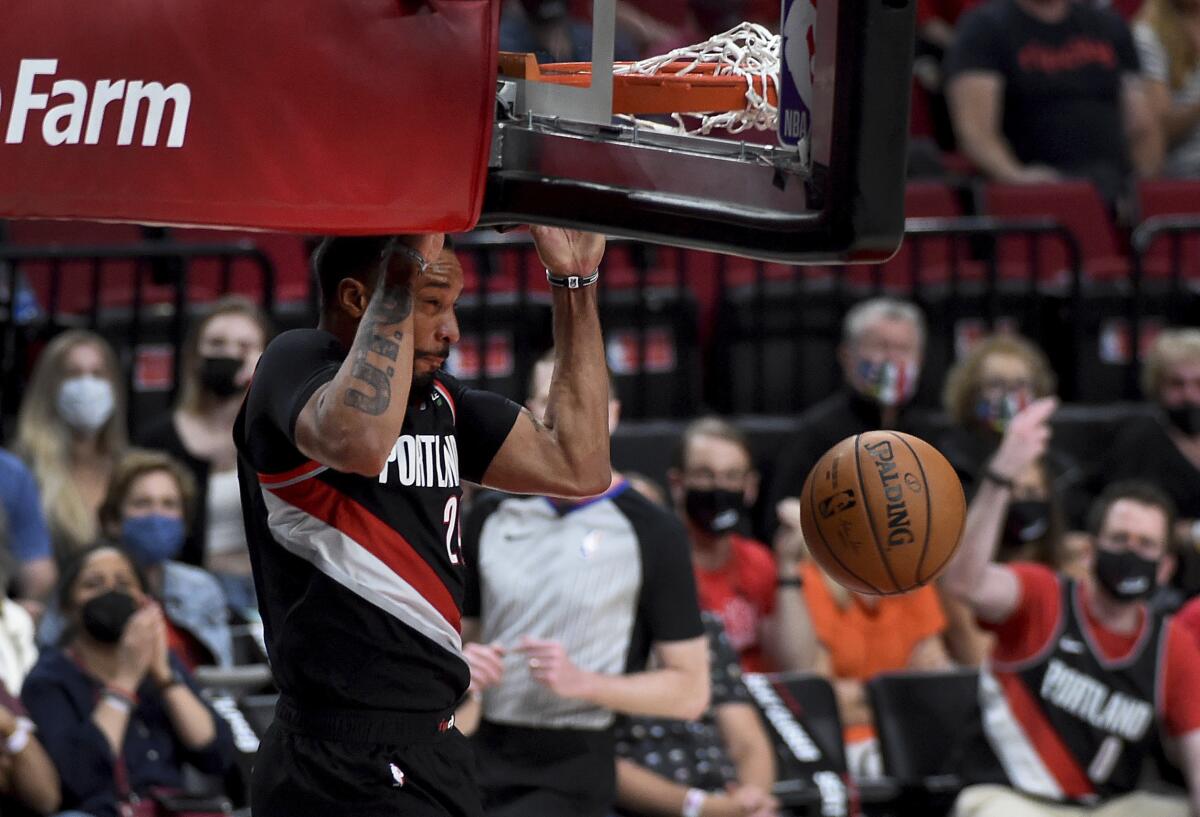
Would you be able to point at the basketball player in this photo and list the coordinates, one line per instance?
(352, 447)
(1082, 674)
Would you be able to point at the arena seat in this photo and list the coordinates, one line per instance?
(809, 782)
(288, 254)
(1170, 197)
(922, 719)
(1078, 207)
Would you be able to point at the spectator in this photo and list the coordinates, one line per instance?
(150, 500)
(547, 29)
(1166, 450)
(1169, 48)
(23, 528)
(28, 779)
(18, 649)
(1040, 90)
(71, 432)
(862, 636)
(565, 603)
(218, 361)
(883, 346)
(117, 712)
(1081, 672)
(754, 592)
(983, 392)
(721, 764)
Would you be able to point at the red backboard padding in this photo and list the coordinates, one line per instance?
(346, 116)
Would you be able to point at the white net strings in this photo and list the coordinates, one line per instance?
(747, 50)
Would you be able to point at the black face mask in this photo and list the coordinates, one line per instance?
(1186, 418)
(716, 510)
(217, 374)
(1125, 575)
(1028, 520)
(104, 617)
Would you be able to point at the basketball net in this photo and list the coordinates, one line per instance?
(747, 50)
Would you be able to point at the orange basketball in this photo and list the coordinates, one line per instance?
(882, 512)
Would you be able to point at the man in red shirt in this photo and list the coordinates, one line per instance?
(1082, 674)
(756, 594)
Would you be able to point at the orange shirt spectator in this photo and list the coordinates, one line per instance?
(866, 636)
(742, 593)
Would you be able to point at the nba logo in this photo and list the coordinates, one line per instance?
(798, 46)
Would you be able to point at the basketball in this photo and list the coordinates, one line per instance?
(882, 512)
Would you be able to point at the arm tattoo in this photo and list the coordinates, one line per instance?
(391, 306)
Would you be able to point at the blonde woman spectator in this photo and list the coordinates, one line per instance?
(218, 361)
(1167, 35)
(70, 431)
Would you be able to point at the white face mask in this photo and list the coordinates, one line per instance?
(85, 403)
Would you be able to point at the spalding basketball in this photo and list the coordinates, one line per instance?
(882, 512)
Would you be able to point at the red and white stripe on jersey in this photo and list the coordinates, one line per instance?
(1034, 757)
(445, 393)
(298, 474)
(352, 546)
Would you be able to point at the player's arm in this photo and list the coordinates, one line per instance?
(993, 591)
(678, 688)
(352, 422)
(565, 454)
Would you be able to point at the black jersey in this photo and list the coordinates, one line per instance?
(360, 579)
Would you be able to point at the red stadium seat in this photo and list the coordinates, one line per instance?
(288, 255)
(1170, 197)
(1078, 207)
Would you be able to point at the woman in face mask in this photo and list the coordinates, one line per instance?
(116, 711)
(70, 431)
(149, 503)
(1165, 449)
(218, 361)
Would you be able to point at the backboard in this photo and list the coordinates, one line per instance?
(388, 116)
(830, 188)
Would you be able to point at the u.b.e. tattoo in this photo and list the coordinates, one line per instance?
(390, 306)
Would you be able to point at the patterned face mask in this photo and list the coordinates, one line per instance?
(887, 382)
(997, 412)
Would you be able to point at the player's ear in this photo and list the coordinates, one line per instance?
(353, 297)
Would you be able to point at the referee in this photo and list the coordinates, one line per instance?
(352, 445)
(568, 600)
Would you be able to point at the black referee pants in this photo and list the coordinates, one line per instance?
(535, 772)
(362, 765)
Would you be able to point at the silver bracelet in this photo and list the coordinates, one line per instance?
(693, 802)
(573, 281)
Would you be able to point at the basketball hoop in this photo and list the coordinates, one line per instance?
(728, 82)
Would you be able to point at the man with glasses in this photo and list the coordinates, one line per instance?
(755, 593)
(1083, 674)
(881, 354)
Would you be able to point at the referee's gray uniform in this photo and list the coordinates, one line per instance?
(607, 578)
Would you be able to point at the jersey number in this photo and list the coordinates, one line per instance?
(453, 534)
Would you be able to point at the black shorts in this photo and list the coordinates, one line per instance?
(537, 772)
(330, 764)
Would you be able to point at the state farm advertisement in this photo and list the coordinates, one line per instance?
(344, 116)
